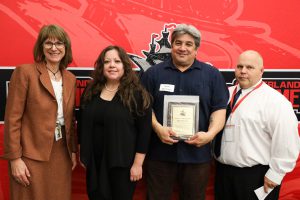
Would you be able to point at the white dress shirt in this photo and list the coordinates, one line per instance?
(262, 130)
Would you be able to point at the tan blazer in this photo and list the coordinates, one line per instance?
(31, 112)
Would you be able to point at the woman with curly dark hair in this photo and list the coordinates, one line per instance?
(114, 127)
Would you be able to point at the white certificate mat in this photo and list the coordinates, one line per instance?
(181, 113)
(182, 118)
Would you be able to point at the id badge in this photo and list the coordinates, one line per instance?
(166, 87)
(229, 131)
(58, 134)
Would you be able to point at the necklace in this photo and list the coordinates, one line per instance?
(54, 73)
(110, 90)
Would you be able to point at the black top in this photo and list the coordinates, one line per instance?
(99, 132)
(109, 136)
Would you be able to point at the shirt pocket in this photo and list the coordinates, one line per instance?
(202, 90)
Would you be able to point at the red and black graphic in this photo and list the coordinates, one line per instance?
(289, 87)
(143, 29)
(157, 53)
(228, 27)
(81, 83)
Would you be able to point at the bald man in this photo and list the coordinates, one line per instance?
(260, 141)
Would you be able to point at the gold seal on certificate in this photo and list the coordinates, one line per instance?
(181, 114)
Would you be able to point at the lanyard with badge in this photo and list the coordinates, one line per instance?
(229, 127)
(58, 125)
(58, 132)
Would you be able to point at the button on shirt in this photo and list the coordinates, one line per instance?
(201, 80)
(265, 131)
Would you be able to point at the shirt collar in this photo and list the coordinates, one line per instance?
(245, 91)
(169, 64)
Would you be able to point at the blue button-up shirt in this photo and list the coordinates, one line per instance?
(200, 79)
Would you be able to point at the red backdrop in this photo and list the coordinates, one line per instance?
(228, 27)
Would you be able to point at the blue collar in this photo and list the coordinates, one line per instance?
(169, 64)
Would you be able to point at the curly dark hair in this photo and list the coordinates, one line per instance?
(129, 87)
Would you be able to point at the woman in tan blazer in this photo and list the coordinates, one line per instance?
(39, 138)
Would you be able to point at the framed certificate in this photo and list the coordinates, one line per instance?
(181, 114)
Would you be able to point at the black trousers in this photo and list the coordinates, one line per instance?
(235, 183)
(161, 176)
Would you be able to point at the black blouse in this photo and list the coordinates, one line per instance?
(110, 133)
(119, 132)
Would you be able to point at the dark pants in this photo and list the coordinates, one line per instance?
(192, 180)
(120, 184)
(235, 183)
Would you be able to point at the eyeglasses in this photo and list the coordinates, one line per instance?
(58, 45)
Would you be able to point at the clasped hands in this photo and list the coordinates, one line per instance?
(199, 139)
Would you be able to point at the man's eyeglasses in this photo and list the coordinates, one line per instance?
(58, 45)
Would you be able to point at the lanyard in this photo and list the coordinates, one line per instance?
(240, 101)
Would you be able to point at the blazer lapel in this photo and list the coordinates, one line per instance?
(45, 79)
(68, 87)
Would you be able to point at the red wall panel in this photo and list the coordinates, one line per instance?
(228, 27)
